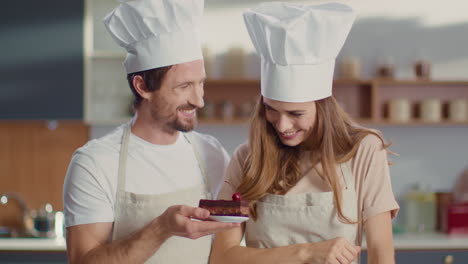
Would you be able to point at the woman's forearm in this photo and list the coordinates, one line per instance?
(333, 250)
(292, 254)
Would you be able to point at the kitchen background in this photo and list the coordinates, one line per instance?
(59, 65)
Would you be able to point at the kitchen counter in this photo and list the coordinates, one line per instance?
(32, 244)
(433, 241)
(429, 241)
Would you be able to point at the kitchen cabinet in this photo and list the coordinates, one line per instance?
(33, 250)
(41, 69)
(426, 256)
(427, 248)
(11, 257)
(34, 157)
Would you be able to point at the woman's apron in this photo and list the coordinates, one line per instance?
(301, 218)
(135, 211)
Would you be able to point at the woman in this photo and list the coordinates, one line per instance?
(316, 178)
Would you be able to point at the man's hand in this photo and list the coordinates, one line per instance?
(333, 251)
(178, 220)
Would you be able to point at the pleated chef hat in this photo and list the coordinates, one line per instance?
(156, 33)
(298, 45)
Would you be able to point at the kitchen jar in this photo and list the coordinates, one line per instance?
(227, 110)
(399, 110)
(422, 69)
(431, 110)
(420, 213)
(350, 68)
(458, 110)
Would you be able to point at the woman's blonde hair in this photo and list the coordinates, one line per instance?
(272, 167)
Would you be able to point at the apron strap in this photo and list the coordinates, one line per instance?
(121, 175)
(123, 160)
(201, 162)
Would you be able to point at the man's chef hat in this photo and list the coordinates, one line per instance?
(298, 45)
(156, 33)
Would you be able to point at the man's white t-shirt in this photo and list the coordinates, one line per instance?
(91, 181)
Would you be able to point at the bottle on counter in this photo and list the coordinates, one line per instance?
(420, 213)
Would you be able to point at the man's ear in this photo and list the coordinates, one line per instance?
(140, 86)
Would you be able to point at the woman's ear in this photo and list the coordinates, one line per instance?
(140, 86)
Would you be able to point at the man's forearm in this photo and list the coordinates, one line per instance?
(137, 248)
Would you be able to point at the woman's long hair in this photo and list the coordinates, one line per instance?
(272, 167)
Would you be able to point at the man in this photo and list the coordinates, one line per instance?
(130, 196)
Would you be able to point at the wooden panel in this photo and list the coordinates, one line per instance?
(34, 157)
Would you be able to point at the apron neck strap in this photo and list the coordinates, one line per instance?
(123, 159)
(201, 165)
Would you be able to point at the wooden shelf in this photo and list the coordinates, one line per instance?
(389, 82)
(413, 123)
(221, 121)
(366, 101)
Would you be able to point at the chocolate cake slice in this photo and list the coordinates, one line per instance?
(226, 207)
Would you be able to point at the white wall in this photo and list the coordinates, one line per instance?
(400, 30)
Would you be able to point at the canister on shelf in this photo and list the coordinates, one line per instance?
(385, 68)
(420, 210)
(350, 68)
(227, 110)
(431, 110)
(400, 110)
(245, 109)
(208, 111)
(422, 69)
(458, 110)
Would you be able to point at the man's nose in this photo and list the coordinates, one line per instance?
(197, 96)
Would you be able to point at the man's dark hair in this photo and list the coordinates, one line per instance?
(153, 80)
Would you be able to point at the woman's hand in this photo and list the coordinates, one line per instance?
(333, 251)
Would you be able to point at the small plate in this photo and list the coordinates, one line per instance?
(226, 218)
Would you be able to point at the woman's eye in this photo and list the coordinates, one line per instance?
(296, 114)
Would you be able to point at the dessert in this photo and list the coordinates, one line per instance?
(235, 207)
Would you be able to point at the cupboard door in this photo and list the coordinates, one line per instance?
(34, 157)
(426, 257)
(41, 68)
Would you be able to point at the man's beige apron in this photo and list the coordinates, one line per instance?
(305, 217)
(134, 211)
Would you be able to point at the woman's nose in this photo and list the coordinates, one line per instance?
(283, 124)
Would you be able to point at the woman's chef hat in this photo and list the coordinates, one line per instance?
(156, 33)
(298, 45)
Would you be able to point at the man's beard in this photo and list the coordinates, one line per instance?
(179, 125)
(171, 121)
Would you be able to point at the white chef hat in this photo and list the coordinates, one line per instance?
(156, 33)
(298, 45)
